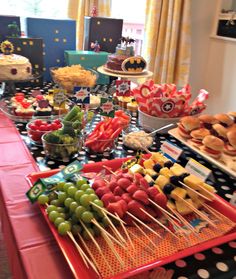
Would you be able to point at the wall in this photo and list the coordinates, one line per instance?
(213, 64)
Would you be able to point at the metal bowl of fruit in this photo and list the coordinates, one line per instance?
(61, 146)
(38, 127)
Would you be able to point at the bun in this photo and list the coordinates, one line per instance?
(190, 123)
(208, 151)
(231, 135)
(220, 130)
(213, 143)
(224, 119)
(207, 118)
(229, 150)
(199, 133)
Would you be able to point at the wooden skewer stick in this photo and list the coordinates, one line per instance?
(81, 252)
(208, 192)
(216, 213)
(198, 212)
(97, 245)
(140, 242)
(108, 169)
(110, 244)
(126, 232)
(194, 191)
(107, 212)
(94, 221)
(143, 233)
(146, 226)
(89, 252)
(114, 229)
(159, 223)
(163, 210)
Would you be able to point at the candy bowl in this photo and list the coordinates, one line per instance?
(61, 151)
(38, 127)
(138, 138)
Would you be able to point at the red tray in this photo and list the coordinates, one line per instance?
(73, 258)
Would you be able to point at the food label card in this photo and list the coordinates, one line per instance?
(171, 150)
(59, 97)
(123, 88)
(107, 107)
(197, 169)
(82, 95)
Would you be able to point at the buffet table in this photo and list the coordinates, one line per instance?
(32, 250)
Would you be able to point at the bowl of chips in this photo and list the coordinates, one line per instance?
(70, 76)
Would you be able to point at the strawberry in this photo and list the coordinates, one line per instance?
(152, 212)
(126, 197)
(102, 191)
(132, 188)
(129, 176)
(123, 183)
(137, 177)
(134, 208)
(123, 205)
(142, 196)
(112, 185)
(118, 191)
(128, 220)
(144, 184)
(161, 200)
(118, 198)
(98, 183)
(107, 198)
(115, 207)
(152, 192)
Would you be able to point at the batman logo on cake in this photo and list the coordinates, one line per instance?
(134, 64)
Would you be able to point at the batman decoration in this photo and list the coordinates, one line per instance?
(134, 64)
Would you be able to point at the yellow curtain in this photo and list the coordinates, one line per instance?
(167, 40)
(78, 9)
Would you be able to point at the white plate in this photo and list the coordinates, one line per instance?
(224, 163)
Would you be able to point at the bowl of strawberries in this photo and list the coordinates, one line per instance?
(38, 127)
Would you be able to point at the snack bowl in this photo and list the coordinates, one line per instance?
(62, 151)
(138, 138)
(38, 127)
(102, 146)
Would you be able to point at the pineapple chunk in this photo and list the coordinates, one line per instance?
(178, 193)
(136, 169)
(193, 181)
(148, 164)
(150, 172)
(208, 187)
(177, 169)
(159, 158)
(205, 189)
(162, 181)
(198, 202)
(148, 178)
(171, 205)
(166, 172)
(192, 195)
(183, 208)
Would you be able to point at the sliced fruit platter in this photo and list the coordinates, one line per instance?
(213, 137)
(132, 214)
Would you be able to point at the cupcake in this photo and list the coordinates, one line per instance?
(132, 106)
(24, 110)
(43, 108)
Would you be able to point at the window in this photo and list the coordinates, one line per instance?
(133, 14)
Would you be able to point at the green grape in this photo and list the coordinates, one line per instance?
(68, 201)
(92, 197)
(63, 228)
(99, 203)
(78, 194)
(58, 221)
(84, 200)
(53, 215)
(62, 215)
(105, 221)
(62, 196)
(69, 224)
(67, 185)
(74, 219)
(52, 196)
(51, 208)
(76, 229)
(87, 216)
(79, 210)
(84, 187)
(73, 206)
(60, 209)
(71, 191)
(60, 186)
(43, 199)
(96, 230)
(55, 202)
(89, 191)
(86, 235)
(81, 182)
(96, 216)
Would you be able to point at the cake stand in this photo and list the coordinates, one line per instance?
(8, 87)
(123, 75)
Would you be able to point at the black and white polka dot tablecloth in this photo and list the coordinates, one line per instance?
(218, 262)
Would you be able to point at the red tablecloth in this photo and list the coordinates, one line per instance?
(31, 248)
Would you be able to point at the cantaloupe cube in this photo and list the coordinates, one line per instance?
(178, 193)
(171, 205)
